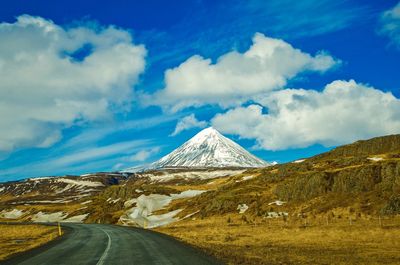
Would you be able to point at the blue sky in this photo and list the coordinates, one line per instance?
(97, 85)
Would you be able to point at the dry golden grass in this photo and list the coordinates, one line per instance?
(279, 242)
(18, 238)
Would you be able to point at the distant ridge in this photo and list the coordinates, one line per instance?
(373, 146)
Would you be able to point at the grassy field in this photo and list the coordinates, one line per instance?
(18, 238)
(236, 240)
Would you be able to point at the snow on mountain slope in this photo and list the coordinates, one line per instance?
(209, 149)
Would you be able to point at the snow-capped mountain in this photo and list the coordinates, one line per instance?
(208, 149)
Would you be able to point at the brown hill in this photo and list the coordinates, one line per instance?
(378, 145)
(361, 179)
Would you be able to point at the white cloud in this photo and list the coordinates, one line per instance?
(47, 86)
(143, 155)
(187, 123)
(237, 77)
(343, 112)
(77, 160)
(97, 133)
(93, 153)
(390, 24)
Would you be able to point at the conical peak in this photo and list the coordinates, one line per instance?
(206, 134)
(208, 131)
(209, 149)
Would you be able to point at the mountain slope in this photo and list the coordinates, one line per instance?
(366, 185)
(209, 148)
(374, 146)
(359, 179)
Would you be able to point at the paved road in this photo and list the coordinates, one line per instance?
(96, 244)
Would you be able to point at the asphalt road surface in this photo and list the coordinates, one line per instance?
(96, 244)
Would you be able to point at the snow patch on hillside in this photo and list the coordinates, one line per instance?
(276, 214)
(375, 158)
(242, 208)
(114, 201)
(245, 178)
(277, 203)
(76, 218)
(12, 214)
(203, 175)
(49, 217)
(142, 213)
(84, 183)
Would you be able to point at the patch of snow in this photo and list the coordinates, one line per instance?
(202, 175)
(39, 179)
(138, 191)
(247, 178)
(129, 203)
(68, 187)
(187, 194)
(76, 218)
(2, 188)
(85, 183)
(114, 201)
(191, 214)
(299, 161)
(48, 201)
(375, 158)
(278, 203)
(13, 214)
(86, 202)
(276, 214)
(142, 213)
(242, 208)
(49, 217)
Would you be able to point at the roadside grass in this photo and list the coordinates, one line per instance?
(241, 240)
(15, 238)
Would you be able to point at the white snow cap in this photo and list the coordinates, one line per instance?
(209, 148)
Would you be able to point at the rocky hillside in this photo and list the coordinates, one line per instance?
(379, 145)
(360, 180)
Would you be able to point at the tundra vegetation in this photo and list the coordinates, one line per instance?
(15, 238)
(247, 239)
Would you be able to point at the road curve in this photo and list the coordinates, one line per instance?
(96, 244)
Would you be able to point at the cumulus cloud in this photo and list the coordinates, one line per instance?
(187, 123)
(54, 77)
(343, 112)
(390, 24)
(237, 77)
